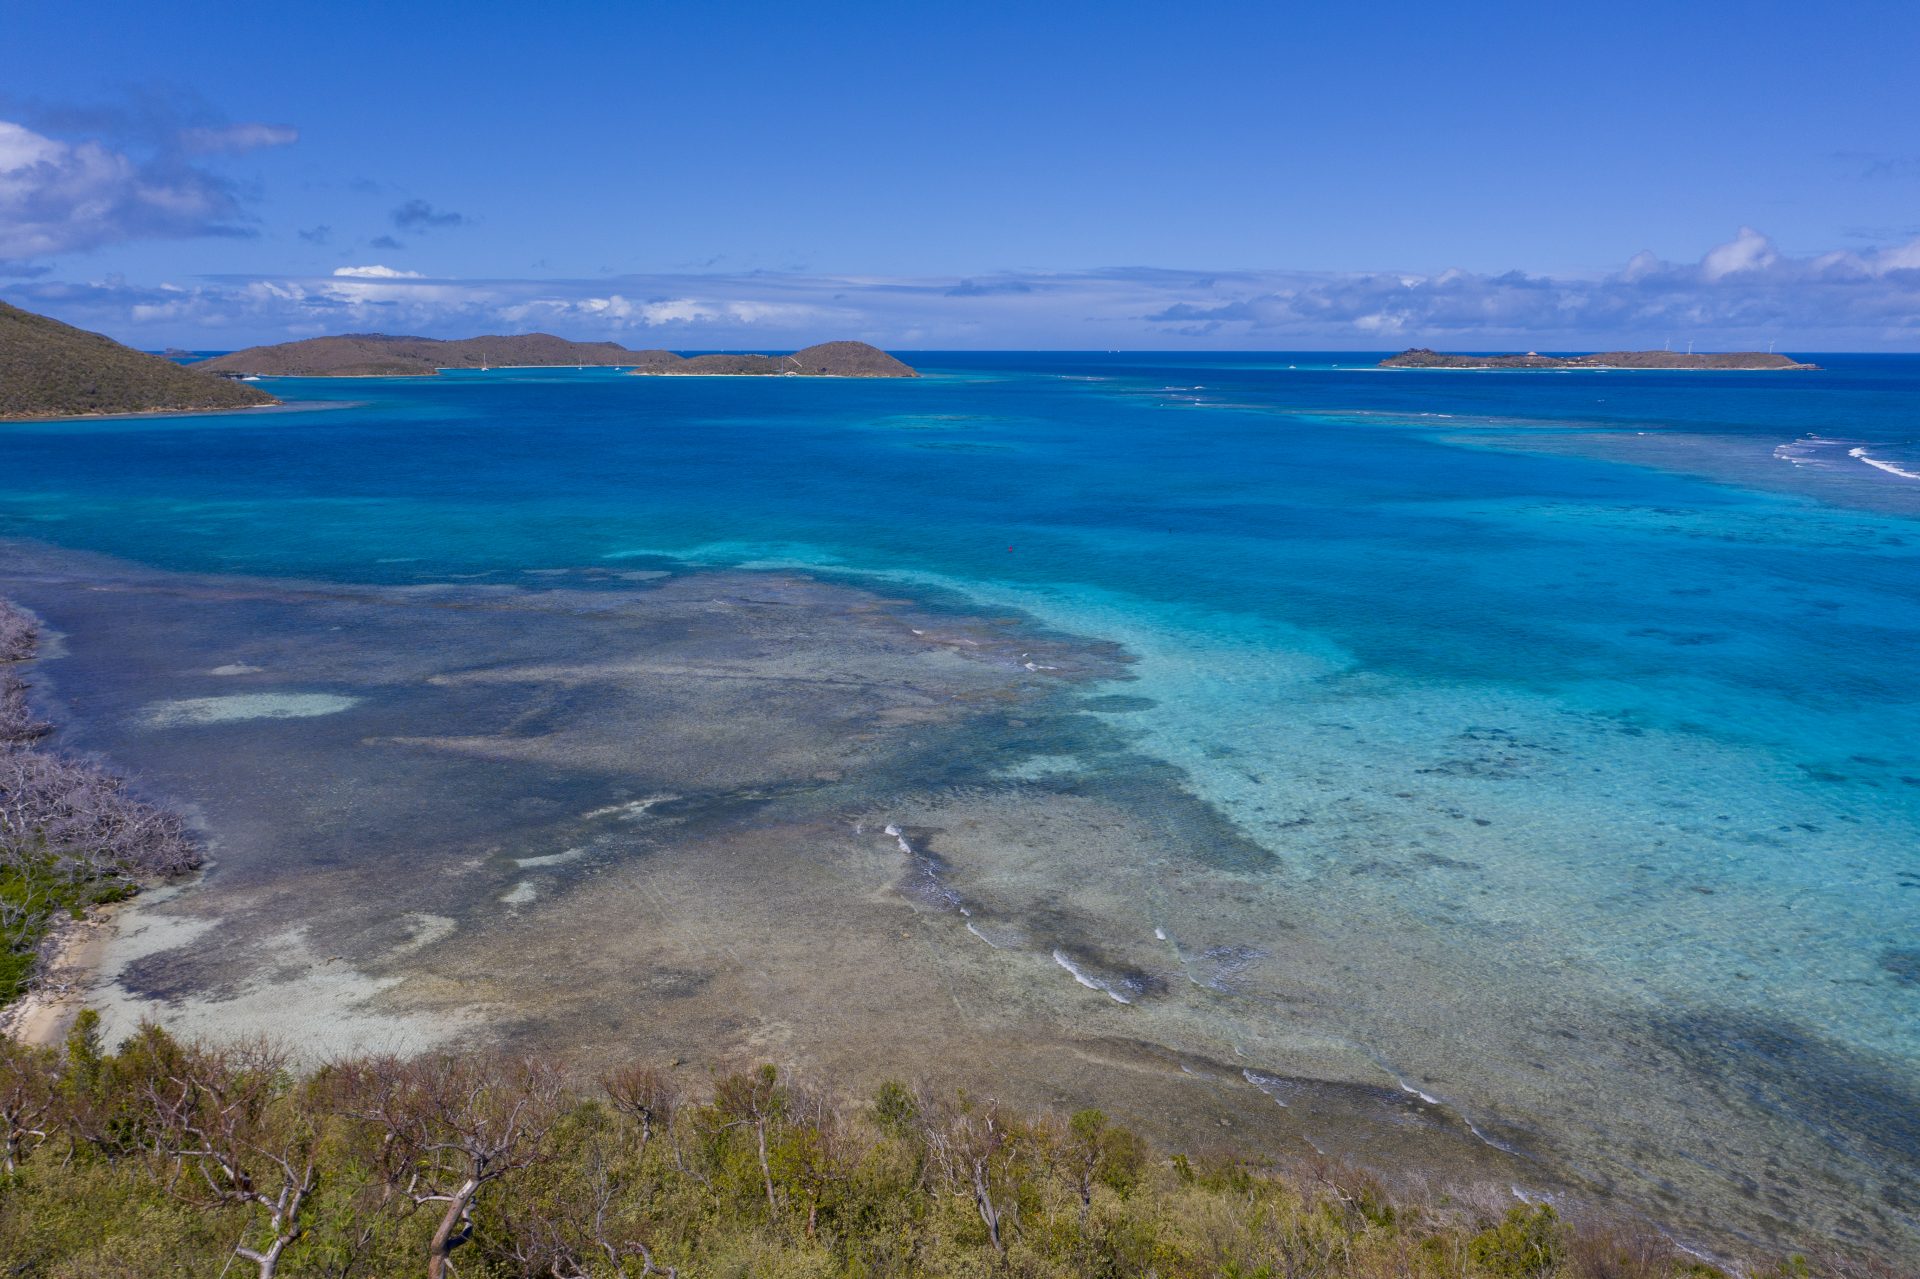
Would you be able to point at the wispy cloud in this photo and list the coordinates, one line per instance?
(418, 215)
(980, 289)
(1742, 293)
(234, 139)
(1880, 166)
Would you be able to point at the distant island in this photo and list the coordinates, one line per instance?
(50, 369)
(1422, 358)
(378, 355)
(827, 359)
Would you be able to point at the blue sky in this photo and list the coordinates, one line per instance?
(1067, 175)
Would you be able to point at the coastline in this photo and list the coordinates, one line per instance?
(1582, 368)
(77, 842)
(623, 370)
(801, 916)
(775, 377)
(72, 959)
(648, 888)
(304, 406)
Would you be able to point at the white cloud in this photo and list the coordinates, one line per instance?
(63, 197)
(20, 147)
(1747, 251)
(377, 273)
(1740, 294)
(1905, 257)
(675, 311)
(1742, 291)
(617, 310)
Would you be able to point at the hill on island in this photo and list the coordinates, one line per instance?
(378, 355)
(50, 369)
(1422, 358)
(827, 359)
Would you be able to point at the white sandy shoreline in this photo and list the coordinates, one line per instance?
(71, 959)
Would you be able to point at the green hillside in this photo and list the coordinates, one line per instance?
(50, 369)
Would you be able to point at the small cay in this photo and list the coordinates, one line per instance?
(1420, 357)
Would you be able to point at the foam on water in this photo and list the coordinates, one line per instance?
(550, 859)
(1891, 468)
(1089, 980)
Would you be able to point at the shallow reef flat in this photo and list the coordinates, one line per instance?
(718, 817)
(697, 817)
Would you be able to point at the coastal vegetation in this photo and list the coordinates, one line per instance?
(378, 355)
(1422, 358)
(168, 1157)
(72, 836)
(50, 369)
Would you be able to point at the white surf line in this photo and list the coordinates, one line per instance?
(908, 849)
(1427, 1097)
(549, 859)
(1441, 1102)
(630, 811)
(977, 933)
(1254, 1077)
(1860, 455)
(1061, 958)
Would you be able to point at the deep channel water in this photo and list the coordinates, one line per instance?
(1566, 724)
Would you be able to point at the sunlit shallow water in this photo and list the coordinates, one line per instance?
(1571, 717)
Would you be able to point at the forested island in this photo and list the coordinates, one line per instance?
(379, 355)
(1422, 358)
(50, 369)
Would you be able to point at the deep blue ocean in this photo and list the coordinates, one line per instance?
(1652, 635)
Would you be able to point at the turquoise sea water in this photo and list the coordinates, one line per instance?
(1626, 658)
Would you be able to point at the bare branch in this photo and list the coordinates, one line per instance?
(449, 1127)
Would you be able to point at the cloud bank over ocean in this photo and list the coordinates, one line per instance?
(1743, 293)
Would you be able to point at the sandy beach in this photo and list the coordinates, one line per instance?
(74, 958)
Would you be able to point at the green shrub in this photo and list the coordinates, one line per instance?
(1528, 1243)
